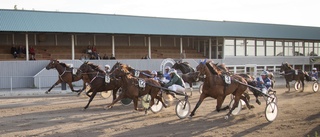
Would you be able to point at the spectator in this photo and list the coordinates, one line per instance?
(105, 56)
(32, 51)
(83, 57)
(14, 51)
(32, 57)
(92, 57)
(89, 50)
(21, 50)
(146, 57)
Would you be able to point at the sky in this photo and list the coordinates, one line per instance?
(287, 12)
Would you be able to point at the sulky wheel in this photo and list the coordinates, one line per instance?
(126, 101)
(106, 94)
(182, 109)
(271, 111)
(157, 106)
(315, 86)
(237, 110)
(297, 85)
(145, 101)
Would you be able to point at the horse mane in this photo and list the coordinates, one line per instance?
(288, 65)
(95, 67)
(64, 65)
(213, 68)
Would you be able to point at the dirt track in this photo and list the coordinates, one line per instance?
(299, 115)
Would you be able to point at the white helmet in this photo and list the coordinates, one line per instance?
(107, 66)
(172, 71)
(154, 72)
(167, 67)
(264, 73)
(315, 69)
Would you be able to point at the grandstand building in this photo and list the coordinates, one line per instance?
(244, 47)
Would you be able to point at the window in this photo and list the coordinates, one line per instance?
(270, 48)
(279, 48)
(298, 47)
(229, 47)
(288, 49)
(308, 47)
(251, 48)
(240, 47)
(260, 48)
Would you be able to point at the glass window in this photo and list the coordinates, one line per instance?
(240, 47)
(270, 48)
(288, 49)
(260, 48)
(229, 47)
(308, 47)
(240, 70)
(250, 48)
(279, 48)
(317, 48)
(298, 49)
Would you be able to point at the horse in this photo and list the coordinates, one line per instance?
(291, 74)
(132, 87)
(184, 67)
(214, 86)
(115, 83)
(136, 73)
(97, 80)
(65, 75)
(248, 78)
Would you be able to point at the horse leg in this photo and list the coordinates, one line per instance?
(55, 84)
(302, 81)
(235, 105)
(288, 85)
(191, 89)
(220, 100)
(121, 96)
(160, 98)
(83, 87)
(91, 98)
(114, 94)
(245, 99)
(71, 87)
(202, 97)
(135, 104)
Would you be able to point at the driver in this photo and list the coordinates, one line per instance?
(263, 82)
(176, 83)
(107, 68)
(314, 74)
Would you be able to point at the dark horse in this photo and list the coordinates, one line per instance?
(131, 89)
(65, 74)
(97, 80)
(184, 67)
(114, 83)
(291, 74)
(188, 74)
(214, 86)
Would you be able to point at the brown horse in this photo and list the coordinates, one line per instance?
(97, 80)
(115, 83)
(131, 89)
(291, 74)
(65, 75)
(134, 72)
(214, 86)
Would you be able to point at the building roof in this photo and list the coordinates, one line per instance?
(70, 22)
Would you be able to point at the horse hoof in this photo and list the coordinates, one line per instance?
(47, 92)
(226, 117)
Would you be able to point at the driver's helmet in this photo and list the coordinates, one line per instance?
(172, 71)
(264, 73)
(154, 72)
(314, 69)
(107, 66)
(168, 68)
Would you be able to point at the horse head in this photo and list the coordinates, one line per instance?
(285, 67)
(84, 68)
(201, 67)
(52, 64)
(120, 70)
